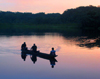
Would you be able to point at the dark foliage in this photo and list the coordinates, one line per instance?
(88, 17)
(29, 18)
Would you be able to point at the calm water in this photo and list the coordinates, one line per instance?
(77, 58)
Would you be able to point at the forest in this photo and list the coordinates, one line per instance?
(83, 17)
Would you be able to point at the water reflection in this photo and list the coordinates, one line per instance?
(89, 43)
(75, 62)
(23, 56)
(52, 62)
(34, 56)
(88, 38)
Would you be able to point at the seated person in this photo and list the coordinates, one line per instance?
(23, 47)
(52, 52)
(34, 48)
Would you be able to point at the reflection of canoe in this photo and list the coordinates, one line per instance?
(39, 54)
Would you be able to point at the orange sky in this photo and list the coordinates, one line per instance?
(47, 6)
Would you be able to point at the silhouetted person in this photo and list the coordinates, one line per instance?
(23, 47)
(33, 58)
(34, 48)
(52, 53)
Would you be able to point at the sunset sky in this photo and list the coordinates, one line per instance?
(47, 6)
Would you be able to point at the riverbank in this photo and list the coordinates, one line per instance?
(29, 28)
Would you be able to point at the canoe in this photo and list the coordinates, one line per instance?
(39, 54)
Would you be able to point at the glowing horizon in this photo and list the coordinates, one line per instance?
(46, 6)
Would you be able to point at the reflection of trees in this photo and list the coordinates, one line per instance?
(86, 38)
(89, 43)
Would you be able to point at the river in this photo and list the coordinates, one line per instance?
(77, 58)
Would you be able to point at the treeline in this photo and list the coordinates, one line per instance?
(88, 17)
(29, 18)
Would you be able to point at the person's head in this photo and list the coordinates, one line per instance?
(24, 42)
(52, 48)
(33, 44)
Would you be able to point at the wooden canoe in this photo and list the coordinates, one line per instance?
(39, 54)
